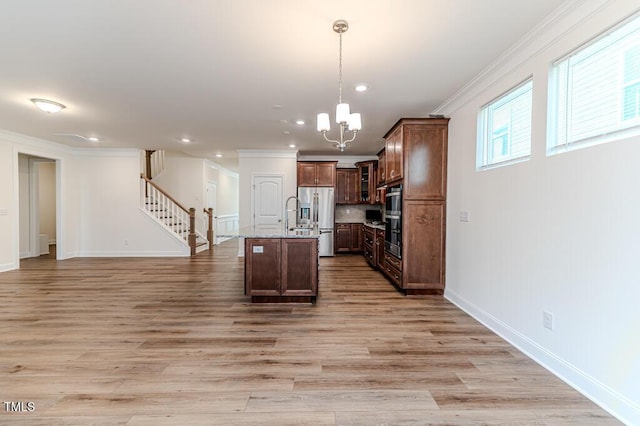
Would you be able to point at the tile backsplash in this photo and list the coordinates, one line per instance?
(353, 212)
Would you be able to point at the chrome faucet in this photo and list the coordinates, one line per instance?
(287, 210)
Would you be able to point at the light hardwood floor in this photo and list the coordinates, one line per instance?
(175, 341)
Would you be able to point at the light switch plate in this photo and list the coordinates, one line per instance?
(4, 212)
(464, 216)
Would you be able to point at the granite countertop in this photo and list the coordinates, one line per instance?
(370, 225)
(258, 232)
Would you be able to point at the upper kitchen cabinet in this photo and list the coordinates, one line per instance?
(347, 190)
(382, 170)
(317, 173)
(393, 154)
(416, 154)
(367, 171)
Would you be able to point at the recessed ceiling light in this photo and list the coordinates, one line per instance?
(292, 145)
(219, 155)
(185, 140)
(47, 105)
(299, 122)
(93, 139)
(361, 87)
(286, 132)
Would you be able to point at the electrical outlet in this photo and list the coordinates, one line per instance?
(126, 242)
(464, 216)
(547, 320)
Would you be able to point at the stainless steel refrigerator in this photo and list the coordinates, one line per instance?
(316, 208)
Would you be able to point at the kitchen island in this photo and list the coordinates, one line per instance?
(279, 266)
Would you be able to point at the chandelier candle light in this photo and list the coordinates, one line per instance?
(349, 122)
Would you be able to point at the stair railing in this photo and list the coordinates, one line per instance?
(170, 212)
(209, 213)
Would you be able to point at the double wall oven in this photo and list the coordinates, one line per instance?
(393, 221)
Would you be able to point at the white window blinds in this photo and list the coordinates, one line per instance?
(504, 128)
(595, 90)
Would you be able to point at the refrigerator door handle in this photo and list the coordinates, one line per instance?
(315, 208)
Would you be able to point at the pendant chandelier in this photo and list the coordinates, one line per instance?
(348, 122)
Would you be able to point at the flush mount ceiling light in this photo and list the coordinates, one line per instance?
(349, 122)
(361, 87)
(48, 106)
(185, 140)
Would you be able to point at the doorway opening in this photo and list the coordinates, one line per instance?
(38, 206)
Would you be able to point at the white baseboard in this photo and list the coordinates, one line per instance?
(617, 405)
(132, 254)
(8, 267)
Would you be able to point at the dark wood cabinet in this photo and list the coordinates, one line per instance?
(379, 247)
(373, 246)
(317, 173)
(425, 169)
(281, 269)
(347, 186)
(348, 238)
(382, 168)
(356, 237)
(299, 267)
(423, 246)
(416, 156)
(393, 155)
(367, 171)
(369, 246)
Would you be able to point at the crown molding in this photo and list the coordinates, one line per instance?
(556, 25)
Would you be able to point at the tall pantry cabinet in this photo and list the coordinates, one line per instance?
(416, 157)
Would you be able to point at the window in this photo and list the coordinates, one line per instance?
(504, 128)
(594, 92)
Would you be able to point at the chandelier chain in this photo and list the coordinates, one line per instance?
(340, 71)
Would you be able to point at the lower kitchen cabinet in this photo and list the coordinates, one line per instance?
(281, 269)
(348, 238)
(373, 246)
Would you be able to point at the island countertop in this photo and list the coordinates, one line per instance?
(262, 232)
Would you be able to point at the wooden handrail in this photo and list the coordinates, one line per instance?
(186, 210)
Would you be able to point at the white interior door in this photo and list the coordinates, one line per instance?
(267, 203)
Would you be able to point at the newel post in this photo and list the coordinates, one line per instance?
(192, 230)
(210, 230)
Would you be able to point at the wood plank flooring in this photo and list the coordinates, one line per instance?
(175, 341)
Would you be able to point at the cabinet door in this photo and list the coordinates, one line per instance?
(356, 237)
(347, 186)
(353, 187)
(382, 170)
(393, 154)
(379, 247)
(326, 174)
(306, 174)
(341, 186)
(343, 238)
(423, 244)
(262, 266)
(299, 267)
(426, 149)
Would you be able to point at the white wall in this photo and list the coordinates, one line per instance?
(253, 163)
(558, 234)
(111, 222)
(47, 199)
(97, 206)
(24, 185)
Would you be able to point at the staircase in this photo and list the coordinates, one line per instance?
(174, 217)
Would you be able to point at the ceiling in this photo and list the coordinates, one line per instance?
(236, 74)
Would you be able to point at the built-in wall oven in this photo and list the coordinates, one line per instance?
(393, 221)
